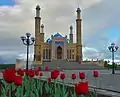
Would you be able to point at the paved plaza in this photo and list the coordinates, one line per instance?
(64, 64)
(106, 80)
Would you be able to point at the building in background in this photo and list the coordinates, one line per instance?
(21, 63)
(57, 46)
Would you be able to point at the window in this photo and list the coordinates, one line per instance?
(70, 54)
(44, 54)
(67, 54)
(49, 53)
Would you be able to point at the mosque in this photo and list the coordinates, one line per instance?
(57, 47)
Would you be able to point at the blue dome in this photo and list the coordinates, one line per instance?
(48, 40)
(57, 35)
(78, 10)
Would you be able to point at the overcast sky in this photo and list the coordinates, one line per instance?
(101, 24)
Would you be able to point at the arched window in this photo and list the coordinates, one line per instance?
(49, 53)
(70, 54)
(67, 54)
(73, 54)
(46, 53)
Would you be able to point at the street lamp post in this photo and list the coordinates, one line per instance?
(113, 48)
(27, 40)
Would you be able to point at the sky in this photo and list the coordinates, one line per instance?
(101, 25)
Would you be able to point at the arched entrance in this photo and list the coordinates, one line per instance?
(59, 52)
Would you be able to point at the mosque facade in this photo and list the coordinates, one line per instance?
(57, 47)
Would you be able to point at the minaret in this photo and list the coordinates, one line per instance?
(37, 22)
(37, 46)
(42, 33)
(78, 36)
(71, 34)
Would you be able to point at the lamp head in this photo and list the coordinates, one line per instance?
(23, 38)
(33, 39)
(112, 44)
(116, 47)
(28, 34)
(110, 47)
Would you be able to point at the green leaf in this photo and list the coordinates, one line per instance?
(3, 92)
(93, 94)
(73, 94)
(32, 94)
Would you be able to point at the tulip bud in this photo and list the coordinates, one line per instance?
(95, 73)
(62, 76)
(82, 75)
(41, 74)
(73, 76)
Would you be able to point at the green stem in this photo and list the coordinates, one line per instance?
(9, 90)
(73, 81)
(55, 86)
(96, 84)
(63, 86)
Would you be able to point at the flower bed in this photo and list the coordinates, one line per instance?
(29, 83)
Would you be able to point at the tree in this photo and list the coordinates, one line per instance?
(106, 64)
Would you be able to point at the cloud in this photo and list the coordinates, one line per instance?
(57, 16)
(92, 53)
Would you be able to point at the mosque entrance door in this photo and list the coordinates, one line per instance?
(59, 52)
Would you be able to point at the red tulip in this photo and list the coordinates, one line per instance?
(30, 73)
(36, 72)
(62, 76)
(95, 73)
(81, 88)
(41, 74)
(18, 80)
(20, 72)
(82, 75)
(54, 74)
(57, 71)
(49, 80)
(25, 70)
(73, 76)
(9, 75)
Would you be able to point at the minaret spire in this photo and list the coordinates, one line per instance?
(42, 33)
(42, 28)
(37, 11)
(71, 34)
(37, 22)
